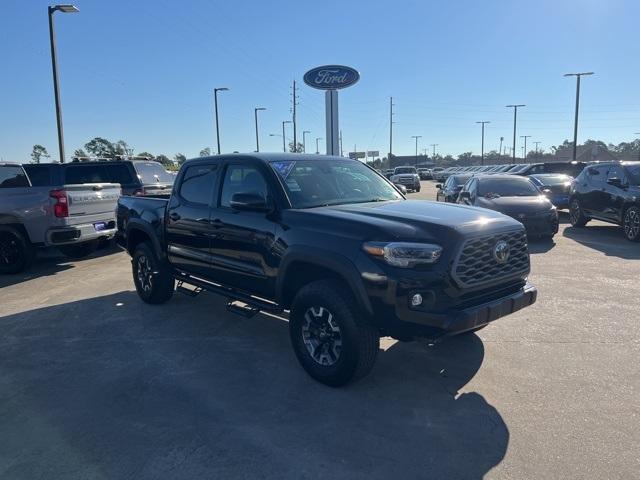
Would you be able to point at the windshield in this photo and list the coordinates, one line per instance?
(315, 183)
(634, 174)
(552, 180)
(507, 187)
(404, 170)
(153, 172)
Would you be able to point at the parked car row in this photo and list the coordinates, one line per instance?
(572, 169)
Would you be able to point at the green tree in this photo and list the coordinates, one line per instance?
(122, 148)
(205, 152)
(100, 147)
(179, 158)
(164, 160)
(298, 149)
(79, 152)
(37, 153)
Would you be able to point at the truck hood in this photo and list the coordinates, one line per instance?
(412, 219)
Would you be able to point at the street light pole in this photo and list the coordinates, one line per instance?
(284, 146)
(304, 140)
(54, 66)
(537, 143)
(317, 148)
(482, 148)
(524, 157)
(215, 103)
(515, 117)
(416, 138)
(255, 113)
(575, 123)
(500, 149)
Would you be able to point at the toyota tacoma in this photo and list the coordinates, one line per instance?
(332, 242)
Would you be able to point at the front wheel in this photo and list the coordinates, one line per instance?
(331, 344)
(631, 224)
(151, 276)
(576, 215)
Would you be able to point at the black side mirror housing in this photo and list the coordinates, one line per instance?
(250, 202)
(439, 186)
(465, 195)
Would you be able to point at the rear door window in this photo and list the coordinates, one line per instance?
(198, 183)
(13, 177)
(86, 174)
(152, 172)
(40, 175)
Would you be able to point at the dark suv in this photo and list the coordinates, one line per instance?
(136, 177)
(609, 192)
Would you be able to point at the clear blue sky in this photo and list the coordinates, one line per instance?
(143, 71)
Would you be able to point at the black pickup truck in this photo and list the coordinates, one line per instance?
(334, 243)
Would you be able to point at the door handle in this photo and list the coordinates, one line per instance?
(174, 216)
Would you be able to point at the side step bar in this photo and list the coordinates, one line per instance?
(253, 304)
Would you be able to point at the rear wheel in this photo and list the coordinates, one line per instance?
(576, 215)
(631, 224)
(15, 250)
(331, 344)
(151, 276)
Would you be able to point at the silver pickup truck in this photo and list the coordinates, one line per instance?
(73, 218)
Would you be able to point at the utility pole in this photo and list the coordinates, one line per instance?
(255, 113)
(482, 148)
(537, 143)
(525, 146)
(304, 140)
(284, 146)
(434, 145)
(295, 138)
(54, 66)
(416, 138)
(341, 151)
(215, 102)
(390, 128)
(317, 148)
(500, 149)
(575, 123)
(515, 117)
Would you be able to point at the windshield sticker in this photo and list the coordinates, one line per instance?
(283, 168)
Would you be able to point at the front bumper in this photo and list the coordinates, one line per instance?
(80, 233)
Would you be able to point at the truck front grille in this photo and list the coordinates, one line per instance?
(477, 264)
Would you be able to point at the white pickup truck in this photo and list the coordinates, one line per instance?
(73, 218)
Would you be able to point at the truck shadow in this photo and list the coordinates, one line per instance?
(608, 239)
(111, 387)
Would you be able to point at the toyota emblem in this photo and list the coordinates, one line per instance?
(501, 251)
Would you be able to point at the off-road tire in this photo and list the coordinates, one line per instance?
(359, 342)
(152, 276)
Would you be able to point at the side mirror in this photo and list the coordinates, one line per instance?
(250, 202)
(616, 182)
(439, 186)
(465, 195)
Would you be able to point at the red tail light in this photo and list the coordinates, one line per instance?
(61, 207)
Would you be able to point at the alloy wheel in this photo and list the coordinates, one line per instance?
(144, 273)
(632, 223)
(321, 335)
(574, 212)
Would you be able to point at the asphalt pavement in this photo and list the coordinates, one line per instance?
(96, 384)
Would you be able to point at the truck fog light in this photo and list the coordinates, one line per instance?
(416, 300)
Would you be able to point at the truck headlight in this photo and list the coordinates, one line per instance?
(404, 254)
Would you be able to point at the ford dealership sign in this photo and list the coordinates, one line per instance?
(331, 77)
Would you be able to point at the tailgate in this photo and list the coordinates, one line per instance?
(92, 198)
